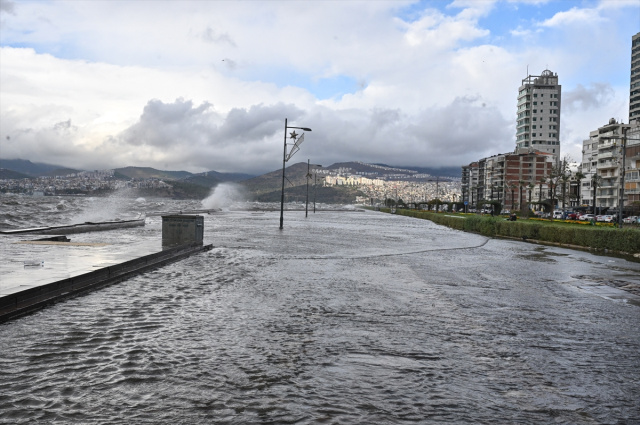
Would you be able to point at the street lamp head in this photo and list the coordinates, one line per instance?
(305, 129)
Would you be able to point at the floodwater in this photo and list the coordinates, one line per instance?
(340, 318)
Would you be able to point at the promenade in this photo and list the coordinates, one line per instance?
(339, 318)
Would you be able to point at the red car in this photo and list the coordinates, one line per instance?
(572, 216)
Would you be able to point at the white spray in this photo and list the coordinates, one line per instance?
(224, 195)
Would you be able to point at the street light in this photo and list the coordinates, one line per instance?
(296, 147)
(624, 158)
(306, 208)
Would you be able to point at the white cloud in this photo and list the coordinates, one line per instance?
(193, 86)
(574, 15)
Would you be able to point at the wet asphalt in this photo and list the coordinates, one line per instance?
(339, 318)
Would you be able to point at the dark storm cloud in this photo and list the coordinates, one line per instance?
(582, 98)
(247, 139)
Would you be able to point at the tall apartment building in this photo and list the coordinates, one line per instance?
(632, 165)
(634, 89)
(538, 121)
(603, 156)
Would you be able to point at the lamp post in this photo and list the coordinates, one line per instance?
(306, 207)
(285, 158)
(623, 141)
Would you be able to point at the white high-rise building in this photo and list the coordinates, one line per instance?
(538, 123)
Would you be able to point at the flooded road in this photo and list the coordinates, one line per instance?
(340, 318)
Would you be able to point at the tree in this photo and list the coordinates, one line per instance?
(579, 177)
(596, 181)
(473, 189)
(530, 186)
(542, 181)
(564, 179)
(512, 186)
(521, 185)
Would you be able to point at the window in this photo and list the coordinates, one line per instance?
(535, 103)
(535, 95)
(554, 151)
(534, 127)
(534, 134)
(535, 111)
(534, 118)
(541, 103)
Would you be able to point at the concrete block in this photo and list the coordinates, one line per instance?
(182, 229)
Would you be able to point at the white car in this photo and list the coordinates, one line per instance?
(587, 217)
(557, 215)
(608, 218)
(629, 220)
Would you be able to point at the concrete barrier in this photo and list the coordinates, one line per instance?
(32, 299)
(76, 228)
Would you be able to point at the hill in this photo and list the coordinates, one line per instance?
(434, 171)
(327, 195)
(273, 181)
(229, 177)
(27, 167)
(382, 169)
(151, 173)
(203, 180)
(61, 172)
(10, 174)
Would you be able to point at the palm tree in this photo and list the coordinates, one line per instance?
(565, 178)
(521, 184)
(530, 186)
(512, 186)
(579, 177)
(596, 181)
(473, 189)
(543, 180)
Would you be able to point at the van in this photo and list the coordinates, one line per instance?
(558, 215)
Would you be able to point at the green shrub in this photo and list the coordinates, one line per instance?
(625, 240)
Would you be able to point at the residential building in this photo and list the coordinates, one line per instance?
(632, 167)
(538, 119)
(602, 156)
(634, 89)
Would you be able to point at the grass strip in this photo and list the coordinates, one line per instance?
(622, 240)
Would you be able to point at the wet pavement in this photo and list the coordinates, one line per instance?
(340, 318)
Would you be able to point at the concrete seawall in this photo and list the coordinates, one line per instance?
(25, 301)
(76, 228)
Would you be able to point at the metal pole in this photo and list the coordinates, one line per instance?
(306, 205)
(315, 187)
(621, 192)
(284, 157)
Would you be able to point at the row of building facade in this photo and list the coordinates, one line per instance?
(607, 174)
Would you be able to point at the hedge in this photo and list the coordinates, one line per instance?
(623, 240)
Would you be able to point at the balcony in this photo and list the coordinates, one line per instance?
(605, 155)
(607, 164)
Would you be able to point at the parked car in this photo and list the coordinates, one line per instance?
(630, 220)
(572, 216)
(600, 217)
(609, 218)
(587, 217)
(558, 215)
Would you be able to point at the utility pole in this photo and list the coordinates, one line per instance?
(306, 204)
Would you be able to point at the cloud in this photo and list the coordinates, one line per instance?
(596, 95)
(210, 35)
(441, 31)
(7, 6)
(573, 16)
(151, 89)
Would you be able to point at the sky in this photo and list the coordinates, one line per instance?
(207, 85)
